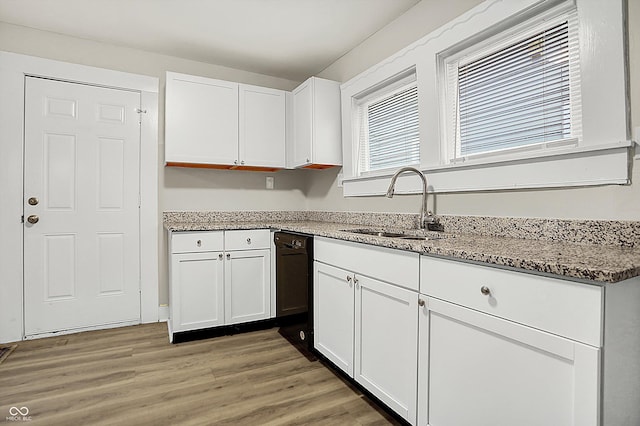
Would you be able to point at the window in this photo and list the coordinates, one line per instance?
(512, 96)
(388, 134)
(519, 93)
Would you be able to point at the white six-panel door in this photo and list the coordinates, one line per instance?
(81, 190)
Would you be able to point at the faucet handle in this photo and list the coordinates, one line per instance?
(433, 223)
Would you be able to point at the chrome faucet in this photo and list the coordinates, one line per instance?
(425, 218)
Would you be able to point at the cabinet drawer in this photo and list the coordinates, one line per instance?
(246, 239)
(188, 242)
(390, 265)
(562, 307)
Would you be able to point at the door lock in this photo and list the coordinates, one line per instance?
(33, 201)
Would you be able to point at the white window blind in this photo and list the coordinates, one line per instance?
(389, 135)
(524, 94)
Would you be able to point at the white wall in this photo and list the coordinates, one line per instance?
(607, 202)
(179, 188)
(196, 189)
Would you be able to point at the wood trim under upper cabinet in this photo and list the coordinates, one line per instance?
(223, 167)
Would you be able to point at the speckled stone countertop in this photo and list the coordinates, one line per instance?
(596, 263)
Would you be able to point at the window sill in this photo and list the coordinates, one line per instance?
(589, 166)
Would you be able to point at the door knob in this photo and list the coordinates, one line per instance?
(33, 201)
(33, 218)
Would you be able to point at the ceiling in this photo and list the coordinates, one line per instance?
(292, 39)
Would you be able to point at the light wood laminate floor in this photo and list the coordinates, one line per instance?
(133, 376)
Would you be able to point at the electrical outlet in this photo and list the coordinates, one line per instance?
(270, 182)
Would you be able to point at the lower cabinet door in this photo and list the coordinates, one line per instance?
(386, 344)
(197, 291)
(247, 286)
(476, 369)
(333, 315)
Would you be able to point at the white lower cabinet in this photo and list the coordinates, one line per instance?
(503, 348)
(477, 369)
(248, 286)
(366, 326)
(333, 315)
(197, 290)
(218, 278)
(386, 347)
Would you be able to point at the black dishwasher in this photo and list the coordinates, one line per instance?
(294, 288)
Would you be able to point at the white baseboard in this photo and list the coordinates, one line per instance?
(163, 313)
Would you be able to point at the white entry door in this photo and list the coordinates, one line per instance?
(81, 207)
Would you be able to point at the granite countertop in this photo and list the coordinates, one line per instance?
(595, 263)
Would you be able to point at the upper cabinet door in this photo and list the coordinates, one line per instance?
(262, 126)
(201, 120)
(303, 124)
(317, 140)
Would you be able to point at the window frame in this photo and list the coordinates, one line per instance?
(504, 39)
(600, 158)
(397, 84)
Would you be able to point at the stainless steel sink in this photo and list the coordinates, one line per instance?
(401, 235)
(376, 233)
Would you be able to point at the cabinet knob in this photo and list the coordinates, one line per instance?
(235, 161)
(485, 290)
(348, 278)
(355, 281)
(308, 160)
(421, 302)
(220, 256)
(242, 162)
(248, 240)
(199, 243)
(228, 256)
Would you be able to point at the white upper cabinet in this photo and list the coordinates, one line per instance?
(201, 120)
(262, 126)
(222, 124)
(317, 141)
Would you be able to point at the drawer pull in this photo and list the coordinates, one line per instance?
(199, 243)
(485, 290)
(248, 240)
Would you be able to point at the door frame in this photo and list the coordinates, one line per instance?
(13, 69)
